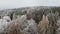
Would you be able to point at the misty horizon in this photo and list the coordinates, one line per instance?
(10, 4)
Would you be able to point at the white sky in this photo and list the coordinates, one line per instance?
(24, 3)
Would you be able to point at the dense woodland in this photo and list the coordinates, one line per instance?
(46, 18)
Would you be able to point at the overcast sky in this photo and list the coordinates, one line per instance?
(4, 4)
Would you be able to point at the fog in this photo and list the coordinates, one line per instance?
(8, 4)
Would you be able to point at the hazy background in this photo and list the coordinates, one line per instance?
(8, 4)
